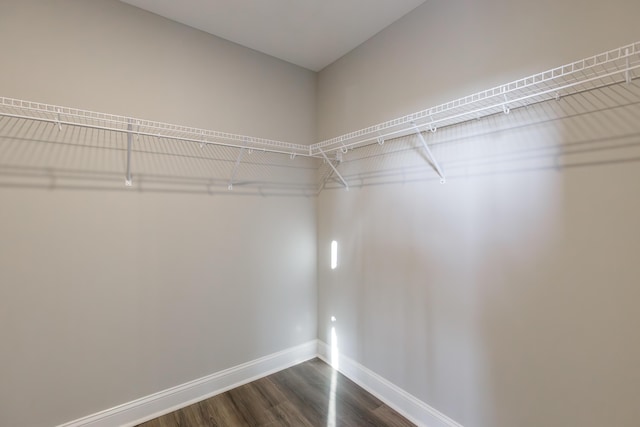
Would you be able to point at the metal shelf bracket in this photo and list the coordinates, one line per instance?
(58, 119)
(235, 169)
(346, 186)
(128, 181)
(432, 159)
(627, 73)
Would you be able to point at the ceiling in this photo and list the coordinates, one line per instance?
(308, 33)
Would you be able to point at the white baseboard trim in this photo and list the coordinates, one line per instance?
(174, 398)
(404, 403)
(169, 400)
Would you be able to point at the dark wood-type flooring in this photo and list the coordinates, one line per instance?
(301, 396)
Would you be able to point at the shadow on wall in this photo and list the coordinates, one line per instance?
(42, 155)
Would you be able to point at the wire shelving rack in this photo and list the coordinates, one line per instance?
(613, 67)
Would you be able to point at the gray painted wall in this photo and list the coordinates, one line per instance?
(109, 294)
(507, 296)
(445, 50)
(111, 57)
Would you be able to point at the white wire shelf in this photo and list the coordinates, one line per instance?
(61, 116)
(608, 68)
(614, 66)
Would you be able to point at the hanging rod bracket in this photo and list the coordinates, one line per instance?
(427, 150)
(346, 186)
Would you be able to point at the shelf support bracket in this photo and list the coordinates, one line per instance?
(505, 106)
(346, 186)
(235, 169)
(627, 73)
(427, 150)
(58, 119)
(324, 181)
(128, 181)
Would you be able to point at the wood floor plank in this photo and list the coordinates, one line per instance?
(311, 394)
(189, 416)
(287, 415)
(311, 401)
(153, 423)
(221, 411)
(252, 403)
(391, 417)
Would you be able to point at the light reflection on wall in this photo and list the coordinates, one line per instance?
(335, 354)
(334, 255)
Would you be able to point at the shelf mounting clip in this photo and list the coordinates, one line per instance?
(427, 150)
(432, 126)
